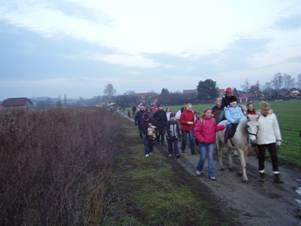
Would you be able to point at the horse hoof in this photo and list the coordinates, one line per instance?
(245, 181)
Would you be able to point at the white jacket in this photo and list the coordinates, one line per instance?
(268, 129)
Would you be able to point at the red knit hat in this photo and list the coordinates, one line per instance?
(229, 90)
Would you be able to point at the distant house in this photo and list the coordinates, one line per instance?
(245, 97)
(221, 92)
(294, 93)
(147, 97)
(17, 103)
(190, 92)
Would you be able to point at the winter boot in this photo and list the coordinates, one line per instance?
(261, 177)
(277, 179)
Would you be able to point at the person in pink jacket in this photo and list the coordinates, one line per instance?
(205, 132)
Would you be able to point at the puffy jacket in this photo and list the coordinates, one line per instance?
(187, 120)
(160, 119)
(233, 114)
(205, 130)
(268, 129)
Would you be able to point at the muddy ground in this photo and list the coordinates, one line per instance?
(255, 203)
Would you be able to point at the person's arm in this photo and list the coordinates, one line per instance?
(277, 130)
(219, 127)
(228, 115)
(198, 130)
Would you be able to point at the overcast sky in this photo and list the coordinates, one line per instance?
(76, 47)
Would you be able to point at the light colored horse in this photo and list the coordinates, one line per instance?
(246, 131)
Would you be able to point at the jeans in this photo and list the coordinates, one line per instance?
(207, 150)
(148, 145)
(230, 131)
(188, 134)
(173, 147)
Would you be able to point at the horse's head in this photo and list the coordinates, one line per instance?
(252, 128)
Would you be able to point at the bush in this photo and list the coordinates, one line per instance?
(54, 165)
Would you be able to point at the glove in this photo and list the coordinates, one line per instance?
(189, 123)
(278, 142)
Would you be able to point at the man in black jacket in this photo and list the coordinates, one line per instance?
(160, 120)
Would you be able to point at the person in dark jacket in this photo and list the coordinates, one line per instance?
(173, 135)
(160, 120)
(149, 133)
(226, 97)
(139, 120)
(217, 110)
(134, 110)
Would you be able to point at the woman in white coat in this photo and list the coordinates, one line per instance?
(268, 137)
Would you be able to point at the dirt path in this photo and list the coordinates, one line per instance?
(255, 203)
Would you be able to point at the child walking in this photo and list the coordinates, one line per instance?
(173, 134)
(149, 134)
(205, 132)
(268, 137)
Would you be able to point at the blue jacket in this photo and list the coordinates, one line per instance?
(233, 114)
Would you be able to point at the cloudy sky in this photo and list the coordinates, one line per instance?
(76, 47)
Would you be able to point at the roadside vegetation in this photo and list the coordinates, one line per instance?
(55, 165)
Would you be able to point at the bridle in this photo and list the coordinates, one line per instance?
(250, 133)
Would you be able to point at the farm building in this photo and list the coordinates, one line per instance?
(17, 103)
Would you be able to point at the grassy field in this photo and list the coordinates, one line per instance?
(289, 116)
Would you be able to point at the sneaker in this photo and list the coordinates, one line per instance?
(212, 178)
(169, 155)
(198, 173)
(146, 155)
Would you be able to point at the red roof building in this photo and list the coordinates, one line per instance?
(17, 103)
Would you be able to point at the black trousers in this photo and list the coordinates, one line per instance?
(261, 156)
(160, 134)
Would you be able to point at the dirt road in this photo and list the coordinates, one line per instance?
(255, 203)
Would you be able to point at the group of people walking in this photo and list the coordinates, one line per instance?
(188, 127)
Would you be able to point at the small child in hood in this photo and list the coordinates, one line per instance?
(173, 134)
(233, 114)
(250, 109)
(205, 132)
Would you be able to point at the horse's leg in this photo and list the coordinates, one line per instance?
(230, 159)
(219, 148)
(242, 154)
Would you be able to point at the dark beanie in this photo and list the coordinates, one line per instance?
(232, 99)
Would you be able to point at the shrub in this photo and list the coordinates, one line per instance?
(54, 165)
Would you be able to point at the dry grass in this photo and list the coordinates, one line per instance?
(54, 165)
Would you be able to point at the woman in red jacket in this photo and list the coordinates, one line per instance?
(205, 132)
(187, 124)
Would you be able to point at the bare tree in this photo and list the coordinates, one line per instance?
(246, 86)
(288, 81)
(109, 92)
(298, 82)
(277, 81)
